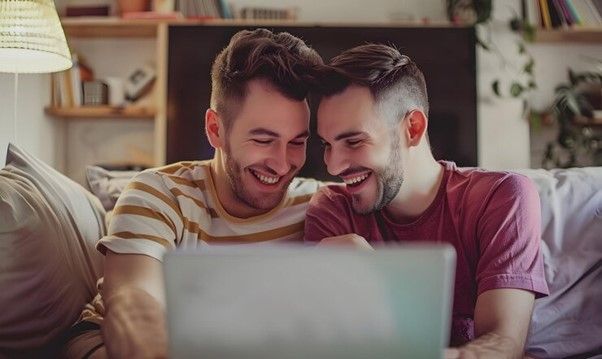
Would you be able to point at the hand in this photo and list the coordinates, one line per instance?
(134, 325)
(490, 345)
(350, 240)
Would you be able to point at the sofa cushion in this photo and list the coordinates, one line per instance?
(569, 321)
(48, 264)
(107, 185)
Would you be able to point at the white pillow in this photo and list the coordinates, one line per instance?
(49, 226)
(107, 185)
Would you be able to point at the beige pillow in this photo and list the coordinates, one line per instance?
(48, 265)
(107, 185)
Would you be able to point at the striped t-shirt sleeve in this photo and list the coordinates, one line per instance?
(146, 220)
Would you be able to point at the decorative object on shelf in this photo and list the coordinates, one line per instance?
(268, 13)
(126, 6)
(116, 91)
(469, 12)
(163, 6)
(87, 10)
(579, 140)
(95, 93)
(204, 9)
(139, 81)
(31, 41)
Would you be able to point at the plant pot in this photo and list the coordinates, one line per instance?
(126, 6)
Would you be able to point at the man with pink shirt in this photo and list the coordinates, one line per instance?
(373, 119)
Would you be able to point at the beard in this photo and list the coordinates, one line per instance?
(260, 201)
(388, 182)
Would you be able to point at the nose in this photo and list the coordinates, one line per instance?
(279, 161)
(335, 162)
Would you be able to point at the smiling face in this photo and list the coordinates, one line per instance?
(361, 148)
(264, 147)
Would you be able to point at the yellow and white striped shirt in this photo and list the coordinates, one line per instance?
(177, 206)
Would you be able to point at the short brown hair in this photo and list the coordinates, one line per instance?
(281, 58)
(391, 77)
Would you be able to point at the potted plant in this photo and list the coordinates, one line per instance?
(579, 139)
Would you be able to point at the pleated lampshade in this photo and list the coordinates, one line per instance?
(31, 37)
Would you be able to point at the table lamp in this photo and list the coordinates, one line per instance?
(31, 41)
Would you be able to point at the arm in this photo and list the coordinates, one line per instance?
(502, 319)
(145, 223)
(509, 271)
(134, 323)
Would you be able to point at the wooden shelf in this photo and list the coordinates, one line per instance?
(101, 112)
(117, 27)
(577, 34)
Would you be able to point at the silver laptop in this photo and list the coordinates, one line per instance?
(245, 302)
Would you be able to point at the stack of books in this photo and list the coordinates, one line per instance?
(204, 9)
(559, 14)
(66, 87)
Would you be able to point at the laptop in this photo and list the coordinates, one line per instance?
(300, 302)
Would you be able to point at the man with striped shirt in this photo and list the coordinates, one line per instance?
(258, 124)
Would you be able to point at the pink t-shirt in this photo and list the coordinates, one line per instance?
(491, 218)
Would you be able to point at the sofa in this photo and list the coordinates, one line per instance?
(48, 265)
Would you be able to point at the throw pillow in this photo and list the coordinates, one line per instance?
(49, 226)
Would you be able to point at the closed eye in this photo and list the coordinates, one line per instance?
(297, 143)
(353, 142)
(262, 142)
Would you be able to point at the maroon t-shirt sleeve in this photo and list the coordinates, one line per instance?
(327, 215)
(509, 235)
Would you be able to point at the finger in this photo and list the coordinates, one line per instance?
(452, 353)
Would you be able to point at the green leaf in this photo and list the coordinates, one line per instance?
(482, 44)
(529, 32)
(516, 89)
(529, 66)
(521, 48)
(495, 86)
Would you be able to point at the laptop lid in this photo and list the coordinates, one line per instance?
(245, 302)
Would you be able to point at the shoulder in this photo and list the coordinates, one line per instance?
(330, 196)
(480, 185)
(180, 174)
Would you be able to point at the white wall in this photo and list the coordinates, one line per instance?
(36, 133)
(503, 134)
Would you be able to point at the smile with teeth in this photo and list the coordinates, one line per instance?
(354, 181)
(265, 179)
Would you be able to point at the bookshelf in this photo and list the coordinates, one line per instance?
(574, 35)
(99, 112)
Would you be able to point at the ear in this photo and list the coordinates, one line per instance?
(214, 128)
(414, 127)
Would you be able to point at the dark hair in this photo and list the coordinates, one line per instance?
(393, 79)
(282, 59)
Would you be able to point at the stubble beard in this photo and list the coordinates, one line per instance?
(388, 182)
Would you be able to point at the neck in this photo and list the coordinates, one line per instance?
(226, 197)
(422, 178)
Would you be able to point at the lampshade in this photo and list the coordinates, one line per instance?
(31, 37)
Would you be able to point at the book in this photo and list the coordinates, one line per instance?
(565, 17)
(545, 14)
(533, 13)
(555, 17)
(152, 15)
(588, 18)
(594, 11)
(568, 4)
